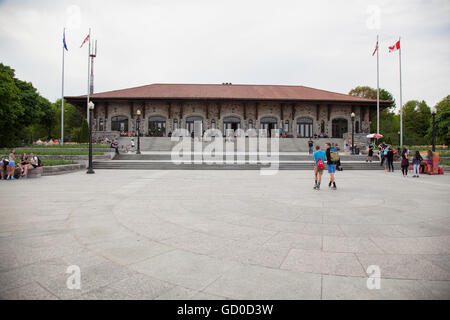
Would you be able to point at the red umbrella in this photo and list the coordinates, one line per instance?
(375, 135)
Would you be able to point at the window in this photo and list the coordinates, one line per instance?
(250, 124)
(304, 127)
(213, 124)
(175, 124)
(101, 126)
(286, 126)
(119, 123)
(339, 127)
(157, 126)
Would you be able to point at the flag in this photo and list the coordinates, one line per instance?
(376, 48)
(64, 41)
(395, 47)
(85, 39)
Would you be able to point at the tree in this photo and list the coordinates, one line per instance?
(81, 135)
(11, 111)
(442, 121)
(416, 122)
(389, 121)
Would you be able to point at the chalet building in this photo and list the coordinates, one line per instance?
(302, 112)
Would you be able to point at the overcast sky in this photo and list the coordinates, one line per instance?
(322, 44)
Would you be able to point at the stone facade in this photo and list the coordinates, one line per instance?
(176, 113)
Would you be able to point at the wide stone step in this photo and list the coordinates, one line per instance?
(166, 165)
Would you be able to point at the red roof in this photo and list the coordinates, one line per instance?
(226, 91)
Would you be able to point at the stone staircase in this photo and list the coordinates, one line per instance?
(285, 161)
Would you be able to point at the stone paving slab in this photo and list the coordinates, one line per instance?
(224, 235)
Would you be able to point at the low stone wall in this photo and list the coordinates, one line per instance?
(55, 170)
(106, 156)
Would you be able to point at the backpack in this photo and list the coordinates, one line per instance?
(320, 164)
(39, 163)
(334, 155)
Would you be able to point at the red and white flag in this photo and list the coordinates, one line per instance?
(376, 48)
(85, 39)
(395, 47)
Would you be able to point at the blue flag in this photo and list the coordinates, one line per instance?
(64, 41)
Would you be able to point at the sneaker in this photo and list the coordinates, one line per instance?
(315, 187)
(333, 188)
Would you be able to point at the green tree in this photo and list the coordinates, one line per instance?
(416, 122)
(442, 122)
(81, 135)
(10, 108)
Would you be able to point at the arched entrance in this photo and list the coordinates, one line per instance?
(305, 127)
(192, 121)
(230, 124)
(157, 126)
(269, 124)
(119, 123)
(339, 127)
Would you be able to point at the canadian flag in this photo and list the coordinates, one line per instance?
(395, 47)
(376, 48)
(85, 39)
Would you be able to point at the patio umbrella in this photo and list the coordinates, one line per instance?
(375, 135)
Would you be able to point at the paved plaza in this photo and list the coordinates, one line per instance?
(224, 235)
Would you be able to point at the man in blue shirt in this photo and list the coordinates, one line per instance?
(319, 163)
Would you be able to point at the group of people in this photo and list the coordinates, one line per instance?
(331, 156)
(388, 154)
(25, 163)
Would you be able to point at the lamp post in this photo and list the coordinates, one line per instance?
(399, 139)
(91, 106)
(353, 132)
(434, 128)
(138, 129)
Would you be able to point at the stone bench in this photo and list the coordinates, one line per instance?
(35, 173)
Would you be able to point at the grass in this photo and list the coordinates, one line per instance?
(68, 146)
(51, 162)
(53, 152)
(445, 163)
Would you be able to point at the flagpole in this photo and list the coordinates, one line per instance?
(378, 89)
(62, 91)
(89, 75)
(401, 104)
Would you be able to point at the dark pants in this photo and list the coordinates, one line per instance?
(405, 170)
(390, 163)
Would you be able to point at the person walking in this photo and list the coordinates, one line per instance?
(319, 164)
(405, 163)
(332, 159)
(417, 160)
(390, 159)
(311, 145)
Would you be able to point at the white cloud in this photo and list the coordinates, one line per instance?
(322, 44)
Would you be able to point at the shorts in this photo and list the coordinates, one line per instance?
(331, 168)
(35, 166)
(318, 170)
(11, 164)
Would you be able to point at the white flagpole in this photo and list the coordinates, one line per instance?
(378, 89)
(401, 104)
(62, 90)
(89, 76)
